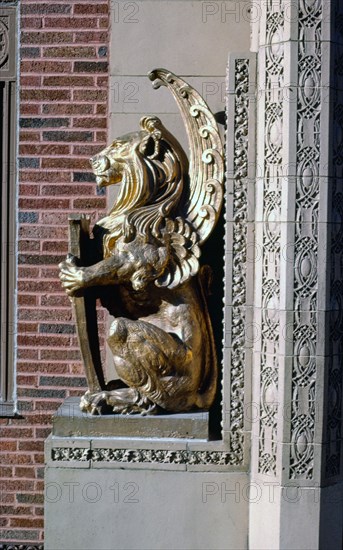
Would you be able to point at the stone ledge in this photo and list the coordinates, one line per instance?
(70, 421)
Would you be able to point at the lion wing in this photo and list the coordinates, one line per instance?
(184, 253)
(199, 211)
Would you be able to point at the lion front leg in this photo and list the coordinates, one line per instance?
(75, 278)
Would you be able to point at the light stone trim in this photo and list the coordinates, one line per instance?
(240, 153)
(334, 390)
(308, 147)
(269, 192)
(153, 456)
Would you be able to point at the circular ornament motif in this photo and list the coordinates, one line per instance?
(4, 43)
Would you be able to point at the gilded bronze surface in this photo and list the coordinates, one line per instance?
(143, 263)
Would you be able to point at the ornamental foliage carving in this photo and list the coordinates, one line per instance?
(153, 456)
(239, 256)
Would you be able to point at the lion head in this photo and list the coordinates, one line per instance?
(151, 167)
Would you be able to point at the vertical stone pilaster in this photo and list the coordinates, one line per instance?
(333, 468)
(297, 368)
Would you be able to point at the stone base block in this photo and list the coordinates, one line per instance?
(70, 421)
(113, 509)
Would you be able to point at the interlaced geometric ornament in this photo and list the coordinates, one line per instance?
(4, 43)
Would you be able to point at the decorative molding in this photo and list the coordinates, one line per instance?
(270, 299)
(239, 213)
(20, 546)
(8, 208)
(4, 40)
(62, 454)
(334, 389)
(70, 453)
(306, 241)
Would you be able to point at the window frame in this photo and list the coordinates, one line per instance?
(9, 211)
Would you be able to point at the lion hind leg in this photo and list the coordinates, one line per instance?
(147, 359)
(121, 401)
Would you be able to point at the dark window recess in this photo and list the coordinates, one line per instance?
(8, 171)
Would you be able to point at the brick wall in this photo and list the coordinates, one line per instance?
(63, 121)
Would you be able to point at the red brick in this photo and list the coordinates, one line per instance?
(101, 137)
(42, 433)
(71, 52)
(76, 190)
(39, 66)
(40, 232)
(31, 381)
(46, 314)
(103, 23)
(28, 353)
(17, 433)
(29, 135)
(28, 246)
(31, 446)
(36, 204)
(30, 109)
(8, 445)
(43, 341)
(38, 286)
(39, 486)
(57, 368)
(44, 149)
(6, 471)
(75, 23)
(87, 122)
(76, 368)
(30, 81)
(50, 406)
(28, 191)
(102, 82)
(15, 510)
(7, 498)
(27, 327)
(67, 109)
(60, 355)
(52, 272)
(45, 95)
(68, 81)
(46, 176)
(64, 163)
(17, 485)
(83, 98)
(26, 522)
(26, 472)
(86, 9)
(100, 37)
(25, 300)
(28, 272)
(53, 300)
(57, 247)
(101, 109)
(86, 150)
(31, 23)
(89, 203)
(89, 95)
(46, 37)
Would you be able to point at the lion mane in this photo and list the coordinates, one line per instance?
(152, 169)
